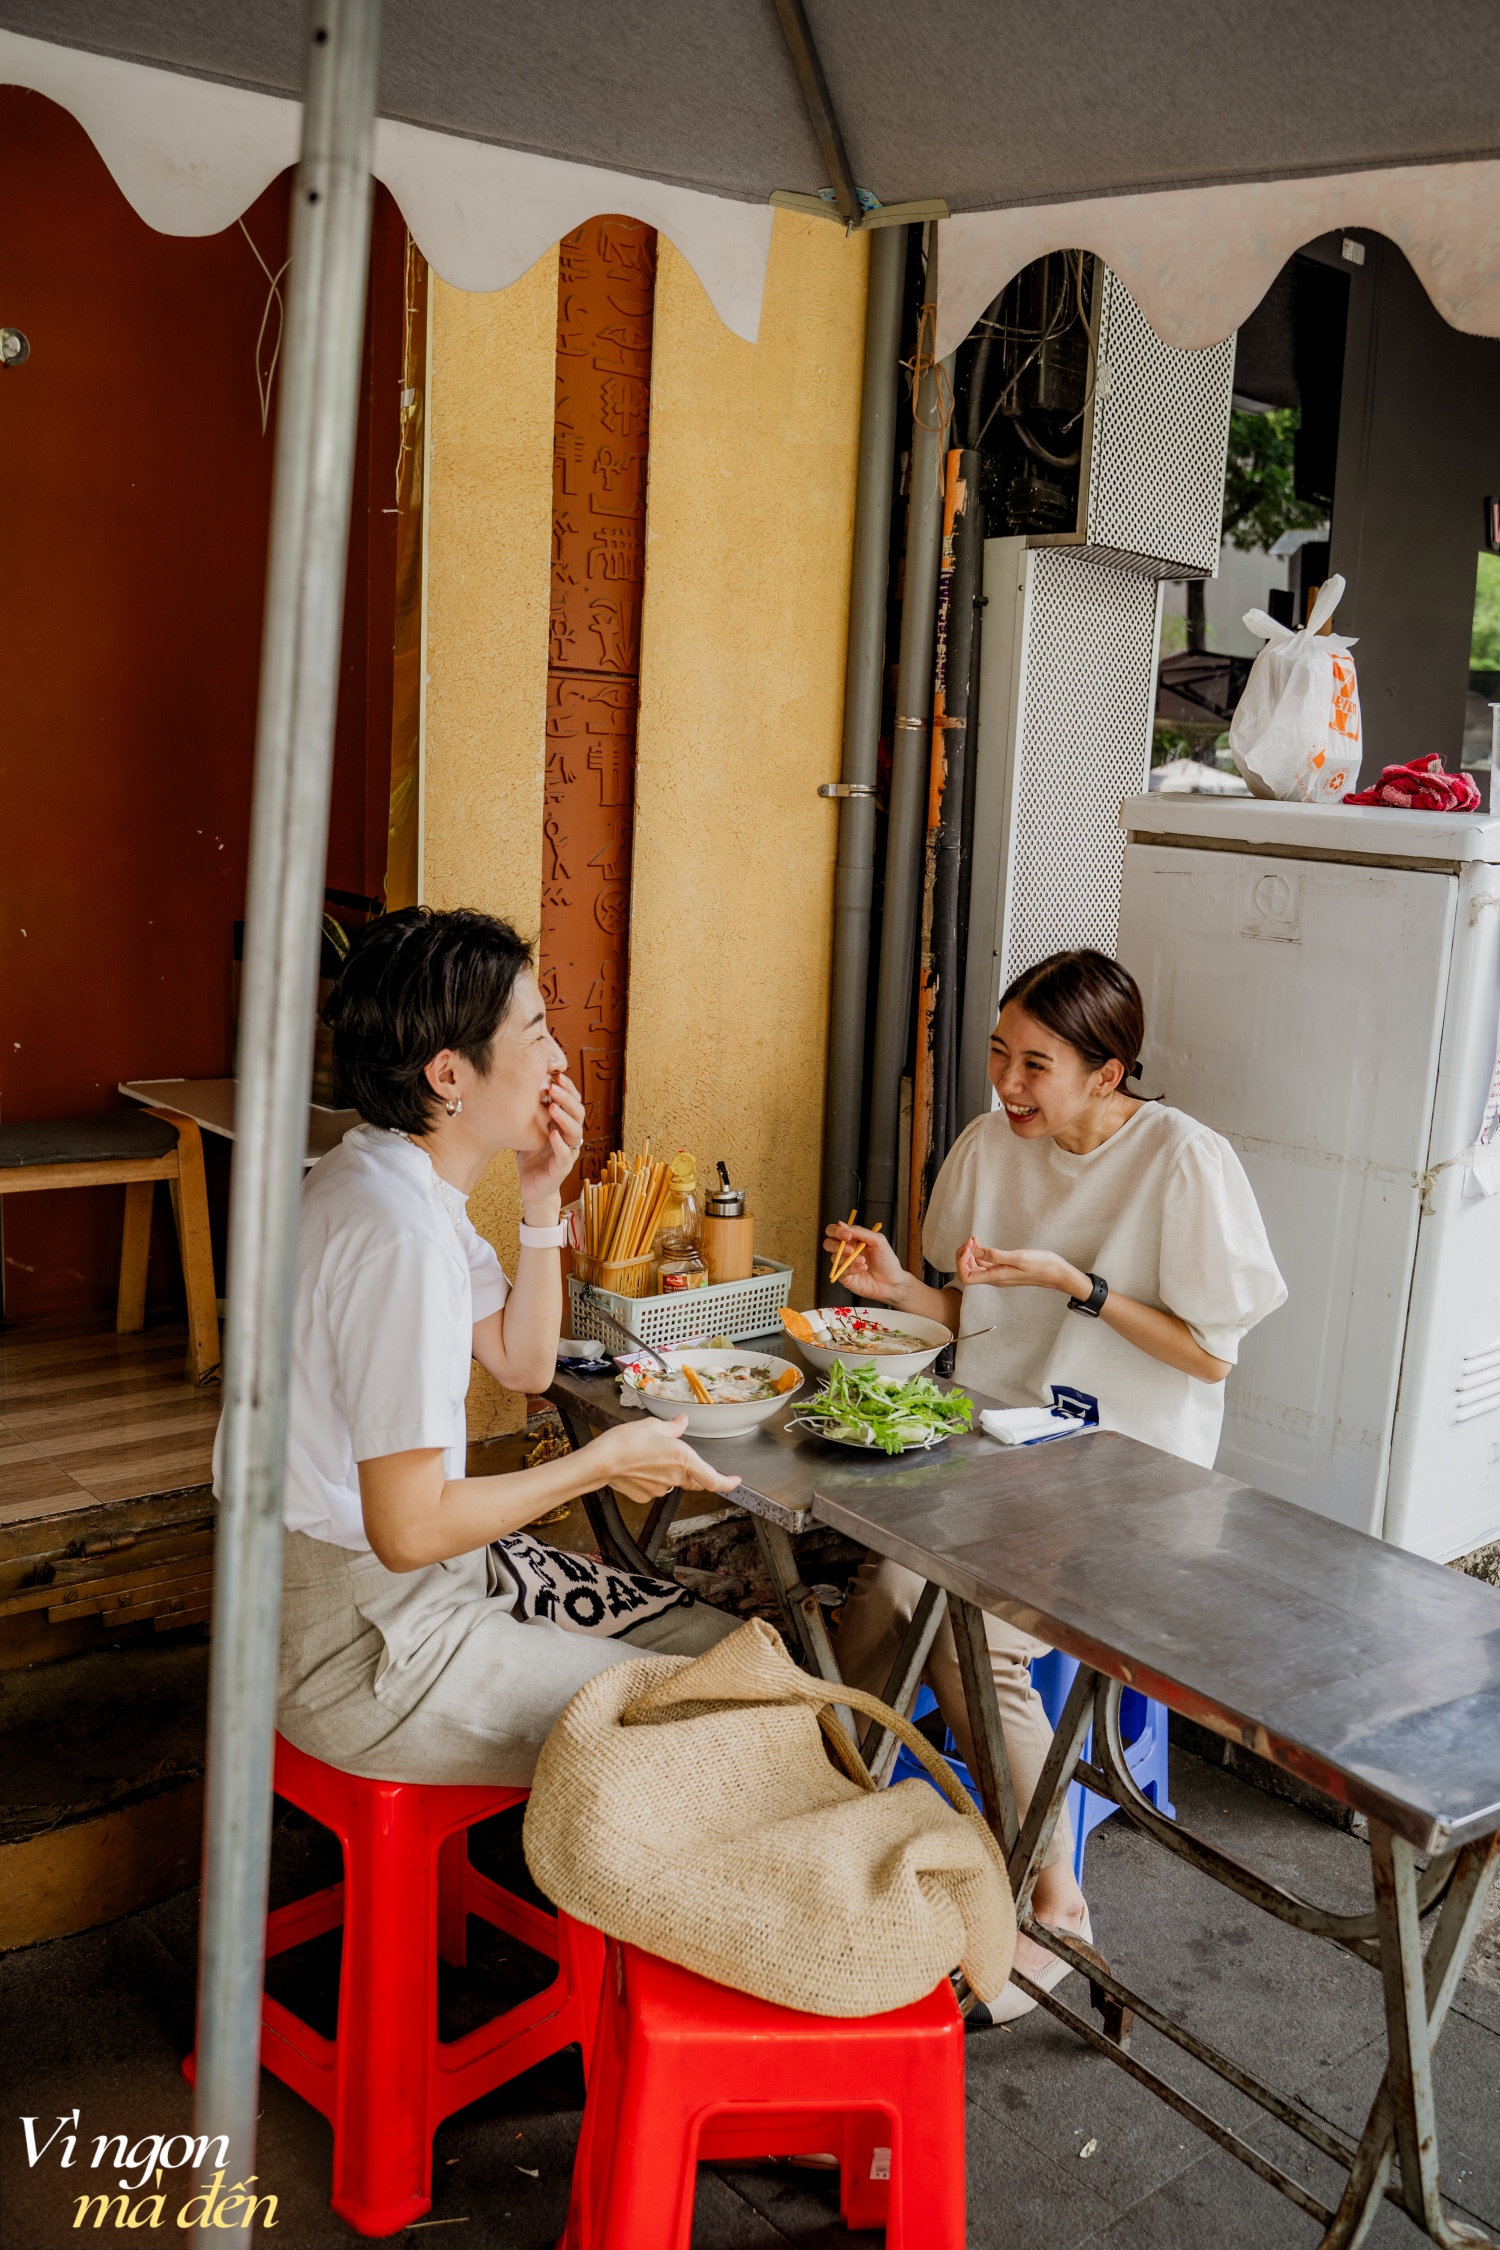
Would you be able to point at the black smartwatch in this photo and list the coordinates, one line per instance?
(1093, 1303)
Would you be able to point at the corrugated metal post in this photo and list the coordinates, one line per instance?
(934, 1129)
(855, 876)
(907, 819)
(315, 439)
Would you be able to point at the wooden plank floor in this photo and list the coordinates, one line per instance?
(86, 1415)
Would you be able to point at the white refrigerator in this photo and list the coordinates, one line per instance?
(1322, 986)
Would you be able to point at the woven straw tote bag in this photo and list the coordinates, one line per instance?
(687, 1804)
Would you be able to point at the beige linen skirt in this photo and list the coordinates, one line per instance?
(426, 1675)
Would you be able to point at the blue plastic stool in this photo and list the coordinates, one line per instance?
(1143, 1725)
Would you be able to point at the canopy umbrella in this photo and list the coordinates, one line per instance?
(1191, 151)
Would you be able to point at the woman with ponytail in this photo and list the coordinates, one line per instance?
(1096, 1239)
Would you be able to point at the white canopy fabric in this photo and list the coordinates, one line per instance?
(1198, 260)
(190, 154)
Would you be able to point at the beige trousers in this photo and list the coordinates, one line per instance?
(880, 1607)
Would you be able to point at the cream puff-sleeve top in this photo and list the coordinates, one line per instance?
(1163, 1211)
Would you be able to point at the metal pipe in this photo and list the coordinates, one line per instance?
(854, 878)
(933, 1129)
(968, 558)
(974, 528)
(906, 820)
(922, 1090)
(315, 440)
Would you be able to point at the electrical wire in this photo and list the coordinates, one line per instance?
(1035, 447)
(924, 361)
(411, 396)
(993, 326)
(264, 382)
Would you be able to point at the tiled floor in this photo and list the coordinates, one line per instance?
(1063, 2149)
(86, 1415)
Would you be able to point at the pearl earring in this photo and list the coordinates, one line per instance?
(453, 1108)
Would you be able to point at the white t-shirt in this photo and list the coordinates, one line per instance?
(391, 1277)
(1163, 1211)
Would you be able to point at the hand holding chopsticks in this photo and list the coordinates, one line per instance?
(852, 1253)
(864, 1260)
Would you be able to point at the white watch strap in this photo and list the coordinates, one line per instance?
(544, 1238)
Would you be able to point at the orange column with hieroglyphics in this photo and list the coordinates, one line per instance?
(605, 301)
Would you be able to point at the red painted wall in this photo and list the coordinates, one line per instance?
(135, 494)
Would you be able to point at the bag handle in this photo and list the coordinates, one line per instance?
(1327, 600)
(1267, 628)
(752, 1666)
(932, 1761)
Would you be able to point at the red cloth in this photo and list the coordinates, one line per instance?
(1423, 786)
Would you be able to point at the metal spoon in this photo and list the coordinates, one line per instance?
(632, 1344)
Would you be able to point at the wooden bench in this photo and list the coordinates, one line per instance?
(132, 1149)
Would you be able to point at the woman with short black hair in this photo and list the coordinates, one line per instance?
(1098, 1241)
(413, 1647)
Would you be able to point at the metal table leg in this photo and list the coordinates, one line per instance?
(1057, 1776)
(602, 1509)
(879, 1746)
(992, 1761)
(657, 1524)
(802, 1610)
(1418, 1994)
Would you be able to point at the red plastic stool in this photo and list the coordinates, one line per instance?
(687, 2071)
(386, 2081)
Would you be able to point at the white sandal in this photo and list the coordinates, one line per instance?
(1013, 2002)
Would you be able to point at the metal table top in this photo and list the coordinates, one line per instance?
(1369, 1672)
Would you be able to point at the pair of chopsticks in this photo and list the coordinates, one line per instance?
(849, 1254)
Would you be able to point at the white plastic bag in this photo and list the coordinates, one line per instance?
(1295, 732)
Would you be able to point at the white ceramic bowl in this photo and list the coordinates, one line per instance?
(901, 1365)
(721, 1421)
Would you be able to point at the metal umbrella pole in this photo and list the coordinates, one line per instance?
(855, 875)
(906, 822)
(315, 440)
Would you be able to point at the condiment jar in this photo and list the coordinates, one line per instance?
(680, 1214)
(679, 1265)
(728, 1235)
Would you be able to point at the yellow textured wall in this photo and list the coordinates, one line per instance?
(489, 546)
(749, 524)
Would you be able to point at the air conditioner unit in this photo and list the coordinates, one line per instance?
(1151, 481)
(1100, 436)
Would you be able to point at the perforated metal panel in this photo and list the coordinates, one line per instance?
(1154, 478)
(1082, 743)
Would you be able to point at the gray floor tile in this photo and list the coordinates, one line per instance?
(1282, 2004)
(785, 2202)
(728, 2217)
(1035, 2078)
(1218, 2205)
(1020, 2198)
(1479, 2002)
(1466, 2080)
(482, 2162)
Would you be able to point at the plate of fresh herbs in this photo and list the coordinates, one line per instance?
(882, 1413)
